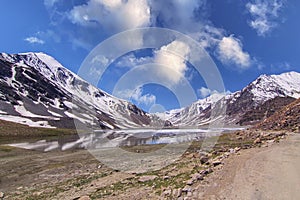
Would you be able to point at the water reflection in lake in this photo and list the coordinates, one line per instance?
(114, 138)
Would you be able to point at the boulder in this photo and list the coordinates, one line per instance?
(216, 162)
(84, 198)
(197, 177)
(187, 189)
(167, 192)
(237, 149)
(190, 182)
(177, 192)
(204, 159)
(257, 141)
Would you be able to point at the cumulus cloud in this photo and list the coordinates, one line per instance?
(184, 16)
(230, 51)
(209, 36)
(173, 58)
(137, 96)
(170, 59)
(34, 40)
(112, 15)
(264, 14)
(204, 92)
(132, 61)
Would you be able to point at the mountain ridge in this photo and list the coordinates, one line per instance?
(264, 88)
(35, 89)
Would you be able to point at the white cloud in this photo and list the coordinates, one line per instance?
(208, 36)
(173, 57)
(264, 14)
(97, 64)
(34, 40)
(136, 95)
(132, 61)
(112, 15)
(100, 60)
(230, 51)
(204, 92)
(179, 14)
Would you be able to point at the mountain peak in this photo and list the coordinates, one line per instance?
(261, 90)
(38, 91)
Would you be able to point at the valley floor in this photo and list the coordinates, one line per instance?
(257, 173)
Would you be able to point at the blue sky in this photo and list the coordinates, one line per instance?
(244, 38)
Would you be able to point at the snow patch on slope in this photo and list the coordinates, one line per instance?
(25, 121)
(25, 113)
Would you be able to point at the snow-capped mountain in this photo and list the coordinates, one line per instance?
(268, 87)
(198, 110)
(37, 90)
(245, 103)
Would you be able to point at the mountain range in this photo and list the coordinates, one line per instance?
(37, 90)
(257, 101)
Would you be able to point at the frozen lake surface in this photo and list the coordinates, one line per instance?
(116, 138)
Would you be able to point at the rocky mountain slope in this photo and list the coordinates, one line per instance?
(264, 110)
(256, 101)
(288, 118)
(38, 91)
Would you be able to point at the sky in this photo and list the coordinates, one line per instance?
(244, 39)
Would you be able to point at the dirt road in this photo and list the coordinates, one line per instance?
(265, 173)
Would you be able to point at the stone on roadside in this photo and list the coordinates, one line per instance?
(257, 140)
(197, 177)
(216, 162)
(209, 170)
(232, 151)
(167, 192)
(226, 154)
(190, 182)
(177, 192)
(2, 195)
(270, 141)
(84, 198)
(37, 193)
(204, 159)
(187, 189)
(237, 149)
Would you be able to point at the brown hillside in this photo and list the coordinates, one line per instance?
(11, 129)
(287, 118)
(265, 110)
